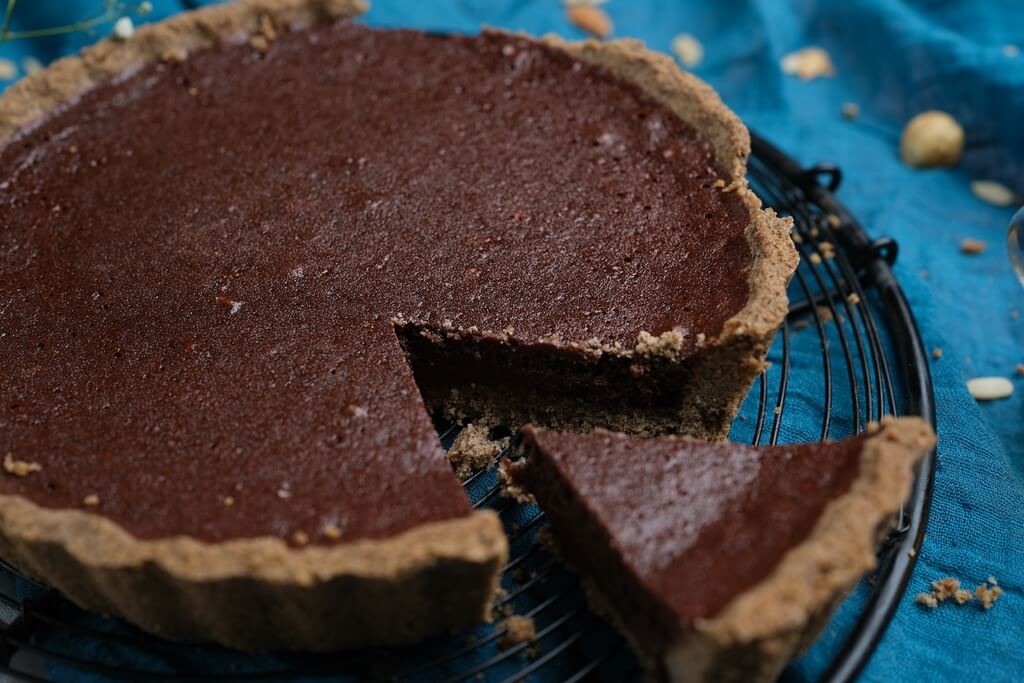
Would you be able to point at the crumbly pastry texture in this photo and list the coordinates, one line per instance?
(762, 629)
(766, 626)
(259, 594)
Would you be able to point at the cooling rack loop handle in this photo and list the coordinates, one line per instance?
(811, 177)
(886, 249)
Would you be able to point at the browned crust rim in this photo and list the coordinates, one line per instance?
(773, 620)
(774, 257)
(28, 532)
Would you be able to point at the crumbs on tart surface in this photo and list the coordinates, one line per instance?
(20, 468)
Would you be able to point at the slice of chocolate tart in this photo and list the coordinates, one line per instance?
(719, 562)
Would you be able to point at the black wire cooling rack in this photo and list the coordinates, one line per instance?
(848, 310)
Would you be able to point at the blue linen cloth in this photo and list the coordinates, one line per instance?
(894, 59)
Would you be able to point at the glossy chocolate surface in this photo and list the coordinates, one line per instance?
(676, 528)
(200, 263)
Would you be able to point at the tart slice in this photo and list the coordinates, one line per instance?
(719, 561)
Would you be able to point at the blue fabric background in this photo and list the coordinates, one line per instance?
(894, 59)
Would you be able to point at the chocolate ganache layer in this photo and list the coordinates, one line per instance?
(202, 262)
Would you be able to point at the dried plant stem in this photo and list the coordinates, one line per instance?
(111, 11)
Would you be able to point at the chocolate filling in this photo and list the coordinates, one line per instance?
(671, 530)
(200, 263)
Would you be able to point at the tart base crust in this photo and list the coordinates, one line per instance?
(762, 629)
(259, 594)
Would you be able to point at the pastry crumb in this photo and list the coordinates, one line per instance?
(518, 630)
(667, 344)
(1020, 369)
(91, 500)
(828, 251)
(509, 488)
(688, 49)
(937, 353)
(591, 19)
(945, 587)
(988, 595)
(853, 298)
(973, 246)
(174, 54)
(267, 27)
(229, 501)
(300, 537)
(994, 193)
(808, 64)
(474, 450)
(259, 43)
(20, 468)
(987, 592)
(332, 532)
(851, 111)
(8, 70)
(814, 258)
(30, 65)
(124, 28)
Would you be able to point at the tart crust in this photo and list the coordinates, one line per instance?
(760, 630)
(259, 594)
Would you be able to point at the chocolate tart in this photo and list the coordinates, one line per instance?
(719, 562)
(246, 251)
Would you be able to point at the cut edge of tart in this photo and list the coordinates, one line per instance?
(712, 376)
(259, 593)
(767, 624)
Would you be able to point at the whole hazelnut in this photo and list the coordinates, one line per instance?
(932, 139)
